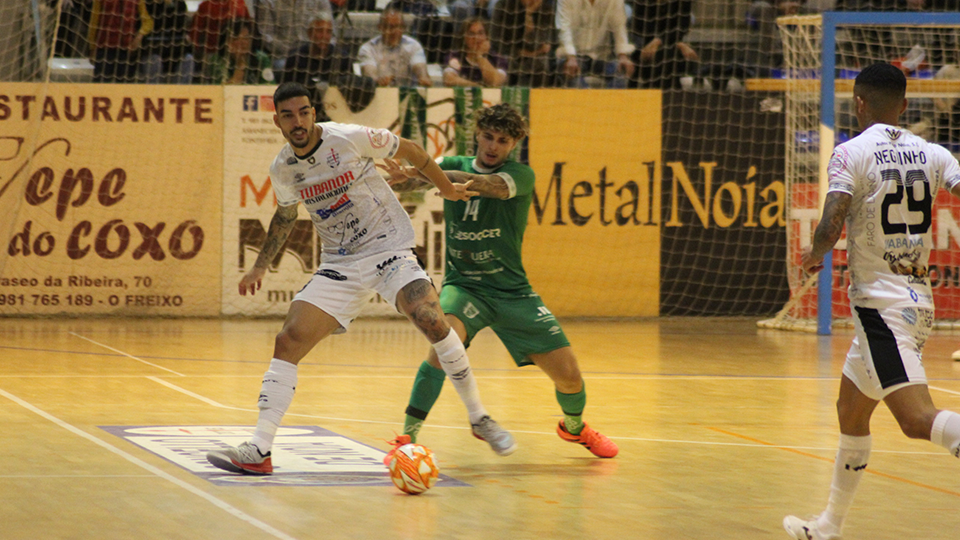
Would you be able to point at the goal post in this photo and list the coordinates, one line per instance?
(822, 54)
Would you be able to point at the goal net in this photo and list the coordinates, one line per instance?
(137, 138)
(822, 56)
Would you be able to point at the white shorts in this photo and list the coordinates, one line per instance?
(342, 289)
(887, 351)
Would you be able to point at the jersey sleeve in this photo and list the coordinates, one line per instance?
(285, 197)
(951, 170)
(840, 174)
(519, 178)
(376, 143)
(450, 163)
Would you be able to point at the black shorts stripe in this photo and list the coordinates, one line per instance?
(883, 348)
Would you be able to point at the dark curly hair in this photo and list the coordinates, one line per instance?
(503, 117)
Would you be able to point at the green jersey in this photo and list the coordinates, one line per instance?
(485, 236)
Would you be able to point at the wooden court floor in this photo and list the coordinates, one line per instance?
(723, 429)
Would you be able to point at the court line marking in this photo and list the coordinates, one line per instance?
(109, 348)
(226, 507)
(944, 390)
(77, 476)
(213, 403)
(828, 460)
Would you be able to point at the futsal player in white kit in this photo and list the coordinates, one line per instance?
(882, 183)
(367, 248)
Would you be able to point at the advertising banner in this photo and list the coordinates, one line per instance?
(111, 198)
(723, 248)
(592, 244)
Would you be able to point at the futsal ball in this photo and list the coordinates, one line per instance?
(413, 469)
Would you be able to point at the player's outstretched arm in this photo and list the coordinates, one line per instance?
(492, 186)
(280, 226)
(419, 158)
(402, 178)
(835, 210)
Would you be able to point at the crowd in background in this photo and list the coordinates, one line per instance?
(490, 43)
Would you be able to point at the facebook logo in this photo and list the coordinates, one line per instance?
(250, 103)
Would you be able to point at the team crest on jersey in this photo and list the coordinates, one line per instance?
(378, 137)
(894, 134)
(311, 160)
(838, 162)
(333, 160)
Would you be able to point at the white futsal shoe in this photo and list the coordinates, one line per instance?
(499, 439)
(800, 529)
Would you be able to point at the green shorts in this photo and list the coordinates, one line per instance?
(523, 324)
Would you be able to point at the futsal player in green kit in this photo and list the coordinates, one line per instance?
(485, 283)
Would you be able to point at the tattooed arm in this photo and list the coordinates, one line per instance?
(280, 226)
(835, 210)
(409, 179)
(492, 186)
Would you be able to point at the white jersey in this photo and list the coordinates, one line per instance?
(353, 209)
(894, 177)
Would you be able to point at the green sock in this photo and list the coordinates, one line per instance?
(572, 406)
(426, 390)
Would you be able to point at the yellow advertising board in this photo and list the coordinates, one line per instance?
(592, 246)
(111, 199)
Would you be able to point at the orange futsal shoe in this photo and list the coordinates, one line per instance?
(397, 443)
(593, 441)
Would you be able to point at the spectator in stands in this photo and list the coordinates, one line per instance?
(393, 58)
(211, 18)
(585, 29)
(167, 58)
(240, 59)
(659, 28)
(117, 28)
(473, 65)
(433, 32)
(525, 32)
(284, 24)
(320, 60)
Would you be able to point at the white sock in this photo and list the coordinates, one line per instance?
(276, 394)
(946, 431)
(851, 461)
(453, 360)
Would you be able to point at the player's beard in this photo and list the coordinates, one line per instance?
(295, 144)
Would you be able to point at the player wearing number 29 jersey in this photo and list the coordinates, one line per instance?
(893, 177)
(882, 185)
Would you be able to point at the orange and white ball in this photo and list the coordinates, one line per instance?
(414, 469)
